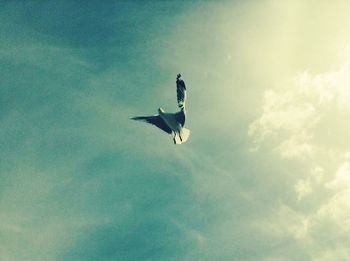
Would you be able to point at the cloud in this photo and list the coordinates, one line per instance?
(338, 253)
(294, 112)
(295, 123)
(302, 188)
(289, 117)
(283, 223)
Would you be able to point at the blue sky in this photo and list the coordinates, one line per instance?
(265, 174)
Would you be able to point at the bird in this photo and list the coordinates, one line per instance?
(171, 123)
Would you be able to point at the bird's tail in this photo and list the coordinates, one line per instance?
(182, 137)
(185, 133)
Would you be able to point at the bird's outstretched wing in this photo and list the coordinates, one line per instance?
(155, 120)
(180, 91)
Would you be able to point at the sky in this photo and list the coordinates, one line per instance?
(265, 174)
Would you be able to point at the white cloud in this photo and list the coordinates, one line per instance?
(284, 115)
(297, 145)
(293, 113)
(303, 188)
(284, 222)
(342, 178)
(306, 122)
(338, 253)
(317, 174)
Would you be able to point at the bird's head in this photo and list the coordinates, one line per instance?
(178, 76)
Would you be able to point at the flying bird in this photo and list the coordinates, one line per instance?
(171, 123)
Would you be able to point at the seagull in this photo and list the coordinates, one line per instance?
(171, 123)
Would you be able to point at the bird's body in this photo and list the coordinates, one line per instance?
(170, 120)
(172, 123)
